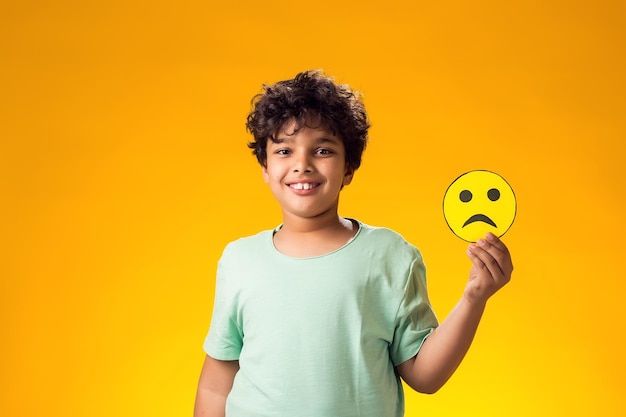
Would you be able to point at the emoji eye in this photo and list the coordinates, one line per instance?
(493, 194)
(465, 196)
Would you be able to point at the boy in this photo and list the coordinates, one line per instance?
(323, 315)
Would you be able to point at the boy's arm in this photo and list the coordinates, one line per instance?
(444, 349)
(216, 381)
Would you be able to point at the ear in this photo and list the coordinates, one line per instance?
(347, 178)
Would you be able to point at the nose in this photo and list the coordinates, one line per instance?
(302, 162)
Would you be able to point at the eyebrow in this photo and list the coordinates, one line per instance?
(320, 140)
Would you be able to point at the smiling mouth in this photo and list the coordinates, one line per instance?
(304, 185)
(479, 218)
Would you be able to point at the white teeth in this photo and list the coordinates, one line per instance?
(302, 186)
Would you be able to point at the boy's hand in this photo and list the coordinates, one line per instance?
(491, 269)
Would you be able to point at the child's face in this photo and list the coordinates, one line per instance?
(306, 170)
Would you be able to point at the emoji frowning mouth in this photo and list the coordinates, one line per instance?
(479, 218)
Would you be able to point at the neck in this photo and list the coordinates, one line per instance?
(313, 237)
(326, 222)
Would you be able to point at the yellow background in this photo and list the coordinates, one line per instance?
(124, 172)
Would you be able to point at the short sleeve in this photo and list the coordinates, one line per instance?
(225, 338)
(415, 318)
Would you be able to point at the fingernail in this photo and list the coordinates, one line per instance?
(482, 242)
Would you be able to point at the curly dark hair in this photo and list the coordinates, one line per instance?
(313, 100)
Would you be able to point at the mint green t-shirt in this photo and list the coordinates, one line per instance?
(320, 336)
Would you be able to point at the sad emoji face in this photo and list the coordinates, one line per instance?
(478, 202)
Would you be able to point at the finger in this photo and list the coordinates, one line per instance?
(498, 250)
(496, 243)
(474, 258)
(480, 258)
(485, 260)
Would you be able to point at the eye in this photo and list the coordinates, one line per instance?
(282, 152)
(493, 194)
(465, 196)
(323, 151)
